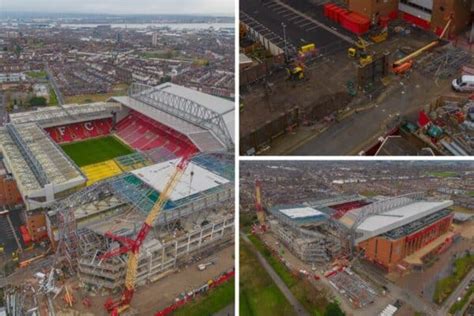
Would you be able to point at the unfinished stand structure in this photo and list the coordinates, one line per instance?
(198, 220)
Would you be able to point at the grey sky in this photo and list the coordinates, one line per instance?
(211, 7)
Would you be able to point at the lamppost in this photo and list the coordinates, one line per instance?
(283, 25)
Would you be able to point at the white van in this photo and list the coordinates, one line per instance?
(464, 84)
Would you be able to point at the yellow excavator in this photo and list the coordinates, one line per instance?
(296, 71)
(360, 51)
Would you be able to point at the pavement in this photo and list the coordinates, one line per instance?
(297, 307)
(227, 311)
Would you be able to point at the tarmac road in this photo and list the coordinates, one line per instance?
(299, 30)
(298, 308)
(361, 130)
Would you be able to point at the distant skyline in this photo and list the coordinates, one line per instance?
(198, 7)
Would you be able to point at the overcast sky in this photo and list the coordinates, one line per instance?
(211, 7)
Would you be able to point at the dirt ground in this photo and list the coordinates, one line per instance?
(324, 91)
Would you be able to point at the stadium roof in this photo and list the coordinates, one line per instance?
(39, 166)
(208, 121)
(301, 212)
(67, 114)
(381, 223)
(156, 176)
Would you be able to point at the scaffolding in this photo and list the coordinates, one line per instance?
(67, 248)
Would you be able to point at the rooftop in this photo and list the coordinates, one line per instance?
(67, 114)
(36, 161)
(301, 212)
(208, 121)
(194, 180)
(381, 223)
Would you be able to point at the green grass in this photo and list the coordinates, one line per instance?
(471, 193)
(259, 296)
(211, 303)
(96, 150)
(276, 264)
(53, 98)
(445, 286)
(37, 74)
(460, 305)
(314, 301)
(443, 174)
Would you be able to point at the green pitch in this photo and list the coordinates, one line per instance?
(96, 150)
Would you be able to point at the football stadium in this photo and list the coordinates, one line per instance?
(87, 171)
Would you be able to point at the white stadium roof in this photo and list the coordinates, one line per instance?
(39, 166)
(381, 223)
(67, 114)
(156, 176)
(183, 109)
(301, 212)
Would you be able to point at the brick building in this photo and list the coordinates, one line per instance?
(428, 14)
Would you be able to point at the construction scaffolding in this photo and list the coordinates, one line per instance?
(316, 245)
(445, 63)
(160, 254)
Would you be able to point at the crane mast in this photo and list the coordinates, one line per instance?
(132, 246)
(259, 208)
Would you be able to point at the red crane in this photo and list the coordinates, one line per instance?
(132, 246)
(261, 227)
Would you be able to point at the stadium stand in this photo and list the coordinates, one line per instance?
(143, 133)
(132, 161)
(80, 131)
(343, 208)
(100, 171)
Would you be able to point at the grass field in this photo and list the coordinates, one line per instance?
(37, 74)
(446, 286)
(53, 98)
(118, 90)
(96, 150)
(258, 294)
(314, 301)
(213, 302)
(443, 174)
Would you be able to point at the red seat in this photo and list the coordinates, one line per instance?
(80, 131)
(143, 133)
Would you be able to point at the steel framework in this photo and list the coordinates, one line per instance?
(28, 155)
(385, 206)
(182, 108)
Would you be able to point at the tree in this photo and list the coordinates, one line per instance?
(38, 101)
(333, 309)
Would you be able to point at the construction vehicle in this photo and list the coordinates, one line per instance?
(203, 266)
(380, 36)
(261, 227)
(68, 298)
(404, 64)
(360, 52)
(132, 246)
(295, 73)
(307, 51)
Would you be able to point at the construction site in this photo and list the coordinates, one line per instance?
(350, 242)
(87, 239)
(338, 78)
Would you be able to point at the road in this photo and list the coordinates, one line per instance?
(457, 293)
(360, 130)
(298, 308)
(300, 28)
